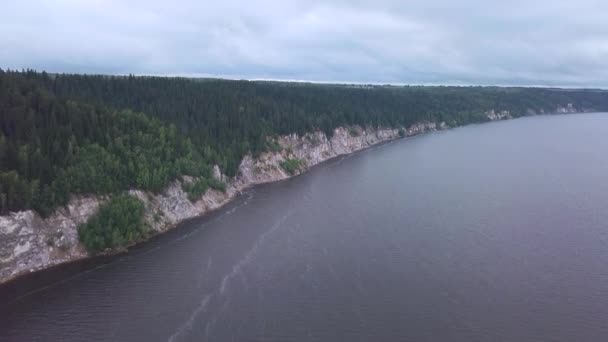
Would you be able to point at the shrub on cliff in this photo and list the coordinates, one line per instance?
(291, 165)
(196, 189)
(217, 184)
(117, 223)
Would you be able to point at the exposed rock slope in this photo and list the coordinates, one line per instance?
(29, 243)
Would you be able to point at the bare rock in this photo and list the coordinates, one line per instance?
(29, 242)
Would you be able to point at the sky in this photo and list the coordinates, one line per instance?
(467, 42)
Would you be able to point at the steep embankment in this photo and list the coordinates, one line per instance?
(30, 243)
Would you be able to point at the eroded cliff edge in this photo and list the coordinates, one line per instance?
(29, 243)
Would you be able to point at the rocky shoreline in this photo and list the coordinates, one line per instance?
(29, 243)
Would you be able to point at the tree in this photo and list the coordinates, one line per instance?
(118, 223)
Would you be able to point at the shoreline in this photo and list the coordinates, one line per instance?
(97, 260)
(82, 207)
(313, 148)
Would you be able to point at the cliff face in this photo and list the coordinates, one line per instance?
(501, 115)
(29, 243)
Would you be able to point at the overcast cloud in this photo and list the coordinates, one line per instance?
(516, 42)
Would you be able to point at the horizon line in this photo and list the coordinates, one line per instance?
(203, 76)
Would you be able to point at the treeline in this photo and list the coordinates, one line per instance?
(51, 148)
(64, 134)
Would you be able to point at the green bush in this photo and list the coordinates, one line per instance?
(196, 189)
(217, 184)
(291, 165)
(118, 223)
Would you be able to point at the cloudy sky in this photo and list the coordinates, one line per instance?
(515, 42)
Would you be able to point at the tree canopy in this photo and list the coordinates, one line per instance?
(81, 134)
(117, 223)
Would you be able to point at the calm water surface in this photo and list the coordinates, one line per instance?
(495, 232)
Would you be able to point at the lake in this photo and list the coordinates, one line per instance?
(493, 232)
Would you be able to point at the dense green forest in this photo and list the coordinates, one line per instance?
(77, 134)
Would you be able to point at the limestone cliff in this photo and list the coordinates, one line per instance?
(29, 243)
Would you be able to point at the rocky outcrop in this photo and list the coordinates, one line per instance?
(571, 109)
(29, 243)
(560, 109)
(501, 115)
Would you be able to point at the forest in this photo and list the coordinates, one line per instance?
(90, 134)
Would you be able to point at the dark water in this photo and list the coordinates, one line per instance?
(497, 232)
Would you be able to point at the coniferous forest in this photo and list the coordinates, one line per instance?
(81, 134)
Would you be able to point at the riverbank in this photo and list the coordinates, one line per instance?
(30, 243)
(404, 230)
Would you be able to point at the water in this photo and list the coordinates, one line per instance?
(495, 232)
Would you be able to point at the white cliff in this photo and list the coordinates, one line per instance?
(29, 243)
(501, 115)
